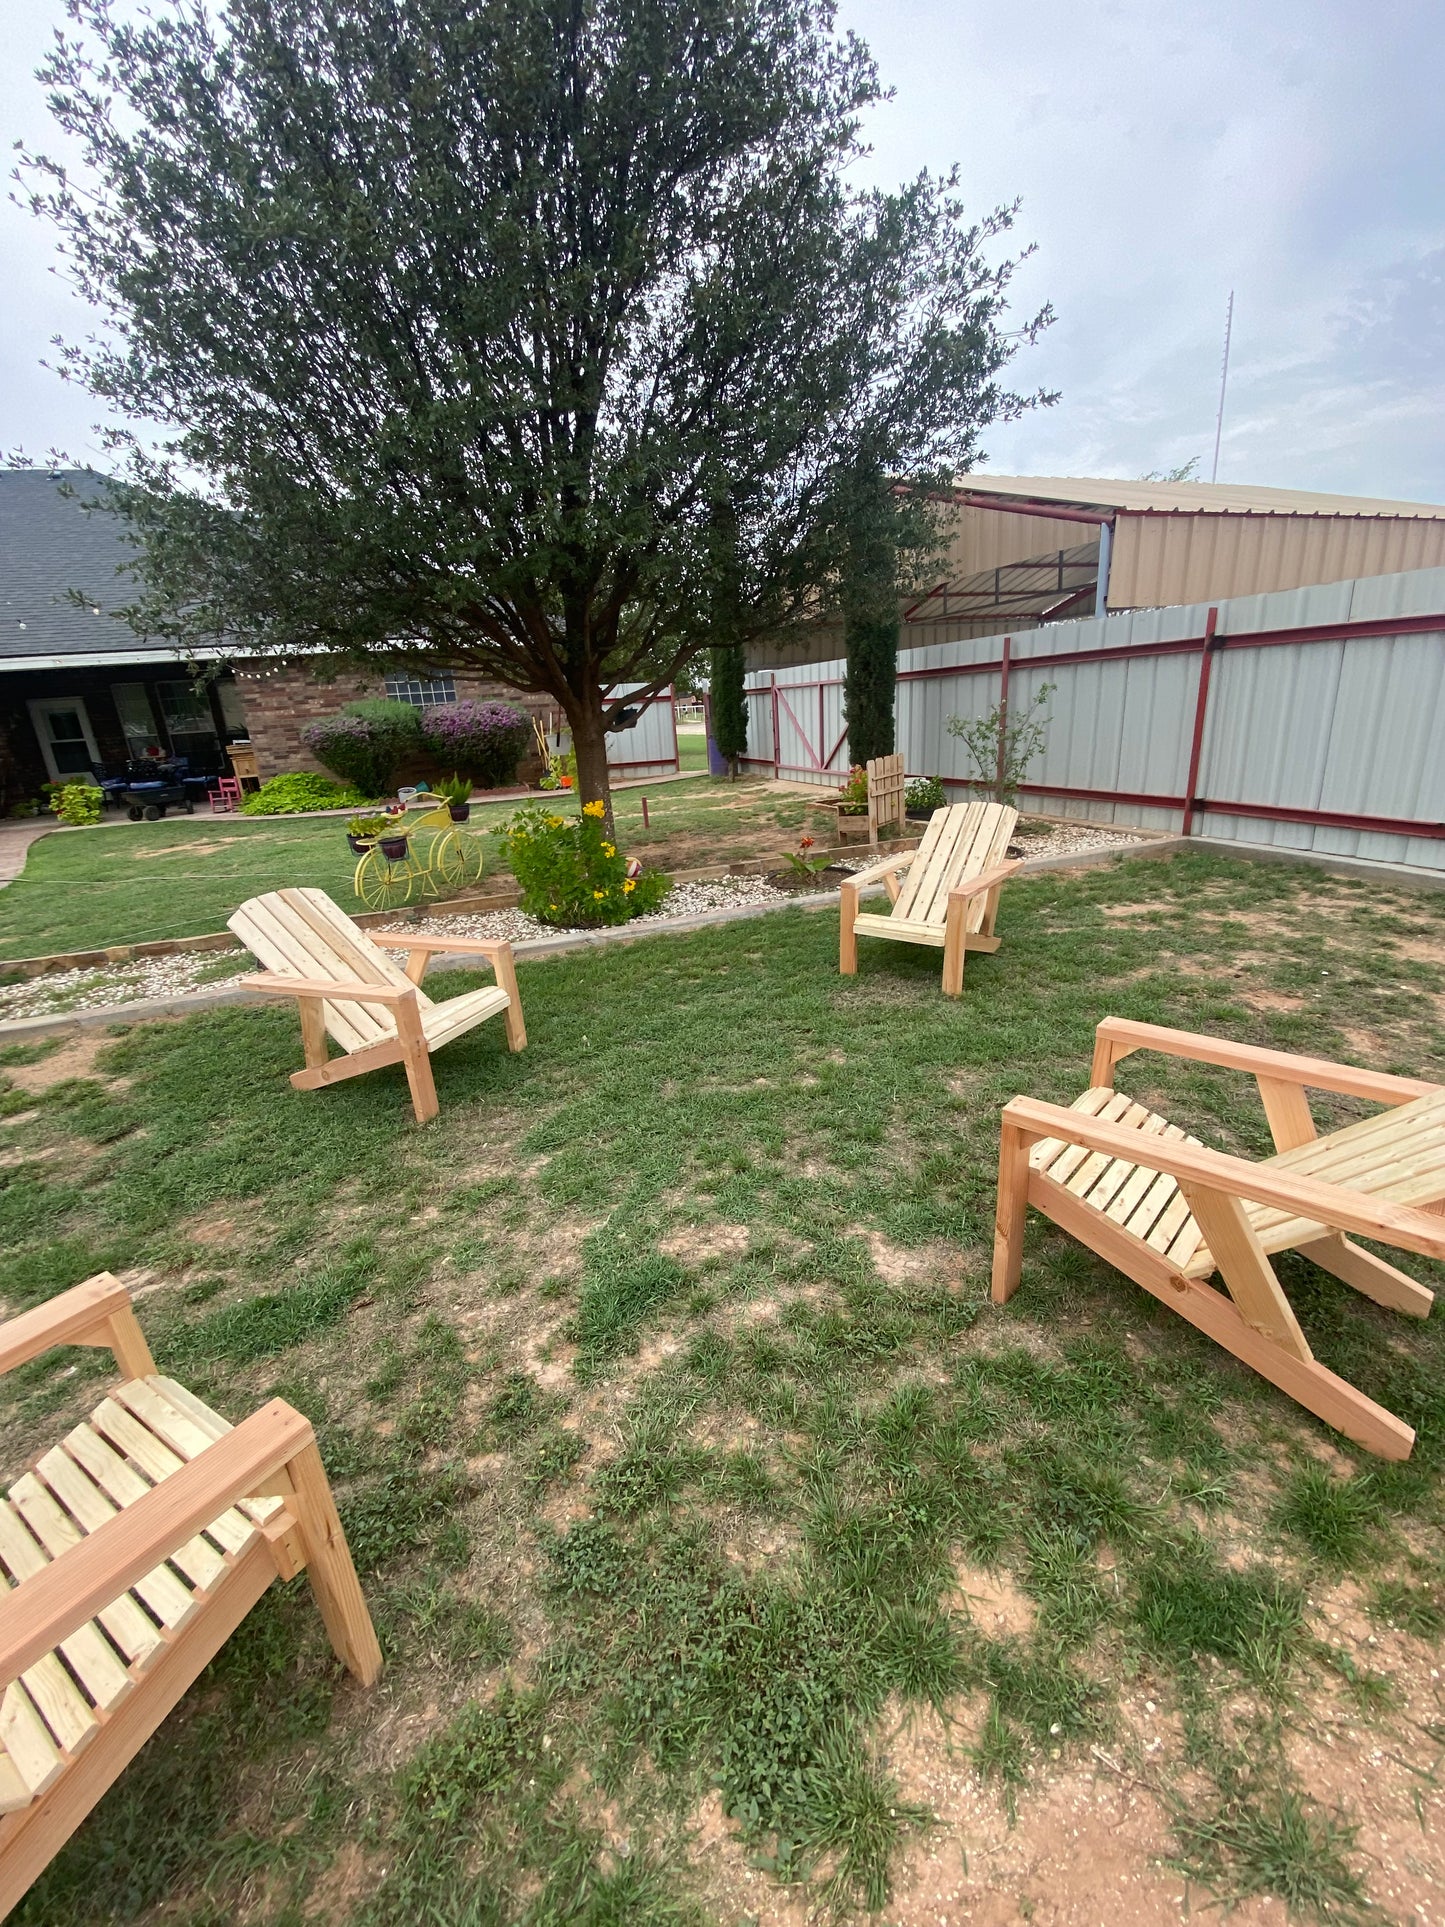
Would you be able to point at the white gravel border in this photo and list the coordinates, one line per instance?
(192, 979)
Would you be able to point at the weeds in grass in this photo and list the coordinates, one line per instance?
(772, 1556)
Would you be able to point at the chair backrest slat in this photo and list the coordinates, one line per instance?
(961, 841)
(302, 933)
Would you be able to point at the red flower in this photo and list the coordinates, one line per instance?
(806, 843)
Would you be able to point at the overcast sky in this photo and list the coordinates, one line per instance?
(1293, 150)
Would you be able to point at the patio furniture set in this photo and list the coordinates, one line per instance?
(135, 1547)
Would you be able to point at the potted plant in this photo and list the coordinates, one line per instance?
(362, 831)
(924, 795)
(456, 794)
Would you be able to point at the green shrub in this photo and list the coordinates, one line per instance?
(301, 790)
(570, 873)
(925, 793)
(367, 742)
(78, 803)
(484, 741)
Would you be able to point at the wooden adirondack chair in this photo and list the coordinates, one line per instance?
(349, 989)
(1168, 1212)
(948, 895)
(130, 1554)
(887, 785)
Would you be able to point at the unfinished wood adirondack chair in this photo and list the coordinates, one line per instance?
(887, 810)
(349, 989)
(1168, 1212)
(129, 1554)
(948, 893)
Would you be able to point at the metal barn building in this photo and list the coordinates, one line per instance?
(1027, 550)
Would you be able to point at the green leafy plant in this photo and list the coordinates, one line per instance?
(300, 791)
(925, 793)
(1022, 733)
(78, 804)
(371, 823)
(801, 863)
(571, 873)
(455, 790)
(367, 742)
(853, 796)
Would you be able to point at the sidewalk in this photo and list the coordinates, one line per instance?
(16, 836)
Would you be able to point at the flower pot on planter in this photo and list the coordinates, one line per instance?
(393, 848)
(459, 812)
(359, 844)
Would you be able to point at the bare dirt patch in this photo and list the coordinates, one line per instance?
(935, 1262)
(993, 1601)
(75, 1058)
(201, 847)
(698, 1244)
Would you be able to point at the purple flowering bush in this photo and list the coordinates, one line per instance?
(483, 741)
(366, 743)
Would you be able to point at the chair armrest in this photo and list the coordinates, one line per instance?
(345, 989)
(885, 867)
(395, 940)
(987, 879)
(53, 1603)
(1117, 1037)
(1305, 1197)
(79, 1316)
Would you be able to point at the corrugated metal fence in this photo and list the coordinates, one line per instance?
(1312, 718)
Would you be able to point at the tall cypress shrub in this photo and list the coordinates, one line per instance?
(870, 621)
(729, 705)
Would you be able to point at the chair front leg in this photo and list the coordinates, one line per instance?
(417, 1059)
(313, 1031)
(954, 944)
(504, 965)
(847, 935)
(1013, 1192)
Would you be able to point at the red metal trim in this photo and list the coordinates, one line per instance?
(969, 498)
(1327, 819)
(779, 697)
(1201, 704)
(834, 750)
(1003, 669)
(1265, 812)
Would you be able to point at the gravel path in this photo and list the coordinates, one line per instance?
(97, 989)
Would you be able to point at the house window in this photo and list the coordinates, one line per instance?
(137, 720)
(422, 692)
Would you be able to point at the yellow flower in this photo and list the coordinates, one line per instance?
(594, 809)
(598, 895)
(554, 822)
(609, 849)
(630, 885)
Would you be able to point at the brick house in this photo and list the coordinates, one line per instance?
(79, 690)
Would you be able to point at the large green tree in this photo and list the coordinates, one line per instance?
(530, 337)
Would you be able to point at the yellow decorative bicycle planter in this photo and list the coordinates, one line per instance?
(430, 857)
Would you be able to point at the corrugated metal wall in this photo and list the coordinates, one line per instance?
(1172, 557)
(1348, 725)
(649, 748)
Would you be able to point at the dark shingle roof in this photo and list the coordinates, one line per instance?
(49, 543)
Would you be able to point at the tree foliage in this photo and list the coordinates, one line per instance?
(528, 338)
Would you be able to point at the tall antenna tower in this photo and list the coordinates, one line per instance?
(1223, 380)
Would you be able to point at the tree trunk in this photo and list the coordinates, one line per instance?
(589, 741)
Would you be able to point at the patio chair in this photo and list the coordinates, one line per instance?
(225, 795)
(887, 809)
(948, 893)
(1167, 1211)
(131, 1552)
(349, 989)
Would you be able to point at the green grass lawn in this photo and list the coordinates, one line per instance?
(687, 1465)
(139, 882)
